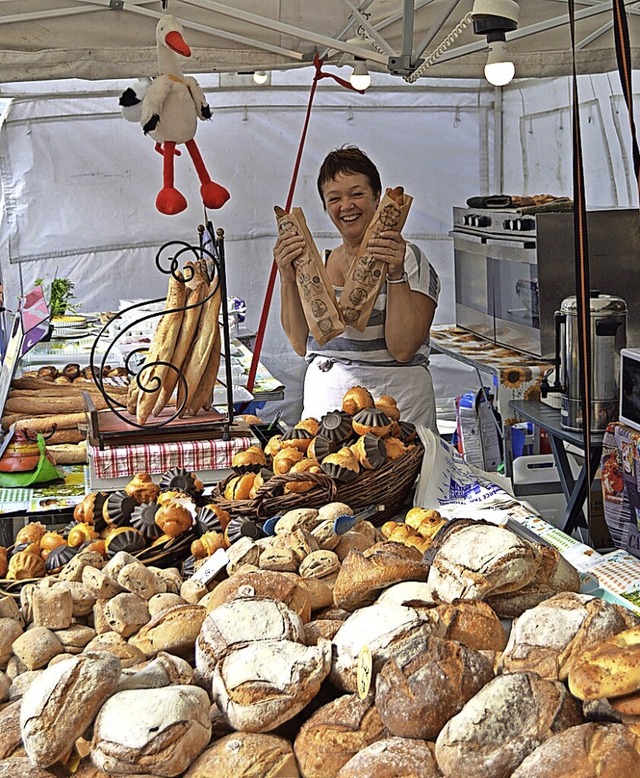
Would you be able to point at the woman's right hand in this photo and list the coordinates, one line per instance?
(287, 249)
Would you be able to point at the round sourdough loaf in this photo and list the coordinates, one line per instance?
(549, 638)
(174, 630)
(554, 575)
(239, 622)
(394, 756)
(246, 755)
(21, 767)
(62, 702)
(334, 733)
(479, 559)
(593, 750)
(407, 686)
(159, 731)
(609, 668)
(266, 683)
(502, 724)
(384, 630)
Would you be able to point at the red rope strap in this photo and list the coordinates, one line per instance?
(257, 349)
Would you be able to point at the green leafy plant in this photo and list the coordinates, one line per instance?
(60, 296)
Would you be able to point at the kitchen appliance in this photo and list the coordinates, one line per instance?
(513, 269)
(608, 320)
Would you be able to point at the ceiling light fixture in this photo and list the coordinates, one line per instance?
(494, 18)
(360, 78)
(260, 77)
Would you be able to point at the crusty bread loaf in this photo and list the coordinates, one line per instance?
(264, 583)
(363, 574)
(549, 638)
(151, 730)
(334, 733)
(445, 673)
(386, 630)
(394, 756)
(479, 559)
(174, 630)
(554, 575)
(21, 767)
(62, 702)
(10, 738)
(239, 622)
(246, 755)
(608, 668)
(474, 623)
(266, 683)
(502, 724)
(586, 751)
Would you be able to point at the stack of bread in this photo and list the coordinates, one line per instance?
(386, 662)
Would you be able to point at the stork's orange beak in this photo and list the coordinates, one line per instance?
(176, 43)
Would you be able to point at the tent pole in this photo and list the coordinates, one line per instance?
(498, 145)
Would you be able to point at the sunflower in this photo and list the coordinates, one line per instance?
(514, 377)
(532, 392)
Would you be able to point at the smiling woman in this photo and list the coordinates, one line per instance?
(391, 355)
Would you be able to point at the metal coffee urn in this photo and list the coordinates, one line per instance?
(608, 317)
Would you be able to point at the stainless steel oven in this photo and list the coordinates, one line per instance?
(513, 270)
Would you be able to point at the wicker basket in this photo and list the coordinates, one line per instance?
(389, 486)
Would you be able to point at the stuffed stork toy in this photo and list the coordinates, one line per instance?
(171, 107)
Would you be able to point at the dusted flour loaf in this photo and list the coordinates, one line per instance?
(334, 733)
(174, 630)
(502, 724)
(480, 559)
(394, 756)
(549, 638)
(554, 575)
(159, 731)
(240, 622)
(266, 683)
(385, 630)
(246, 755)
(61, 703)
(588, 751)
(473, 623)
(407, 686)
(164, 670)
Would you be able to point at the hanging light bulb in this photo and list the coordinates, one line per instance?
(499, 69)
(360, 78)
(260, 77)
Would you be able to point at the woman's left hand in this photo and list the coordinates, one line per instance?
(389, 247)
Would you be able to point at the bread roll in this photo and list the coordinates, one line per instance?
(62, 702)
(266, 683)
(550, 638)
(502, 724)
(586, 751)
(394, 756)
(246, 755)
(334, 733)
(408, 685)
(174, 630)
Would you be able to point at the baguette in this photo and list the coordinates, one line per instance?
(203, 397)
(196, 292)
(151, 375)
(203, 343)
(34, 406)
(69, 453)
(34, 387)
(59, 421)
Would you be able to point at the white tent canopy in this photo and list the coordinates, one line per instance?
(96, 39)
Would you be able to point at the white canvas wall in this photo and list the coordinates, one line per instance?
(80, 182)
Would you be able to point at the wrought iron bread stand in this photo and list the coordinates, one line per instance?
(166, 426)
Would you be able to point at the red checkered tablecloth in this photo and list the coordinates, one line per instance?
(154, 458)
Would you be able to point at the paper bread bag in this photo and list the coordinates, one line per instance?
(314, 287)
(366, 275)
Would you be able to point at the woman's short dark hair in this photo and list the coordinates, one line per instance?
(350, 160)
